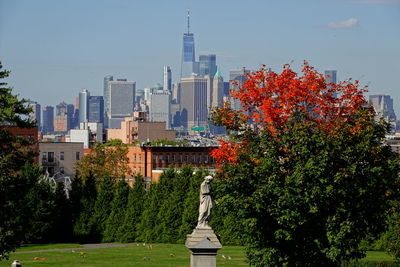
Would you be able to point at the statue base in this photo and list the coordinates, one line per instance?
(203, 245)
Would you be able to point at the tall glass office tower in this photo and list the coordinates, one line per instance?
(83, 105)
(188, 54)
(207, 65)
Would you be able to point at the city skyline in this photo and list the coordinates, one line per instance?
(53, 62)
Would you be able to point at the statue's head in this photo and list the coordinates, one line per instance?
(208, 178)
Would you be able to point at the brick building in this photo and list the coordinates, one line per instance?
(151, 161)
(30, 134)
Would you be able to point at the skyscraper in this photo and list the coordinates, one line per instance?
(188, 53)
(218, 90)
(83, 105)
(330, 76)
(96, 109)
(48, 119)
(383, 106)
(207, 65)
(167, 79)
(70, 114)
(159, 110)
(122, 101)
(193, 110)
(240, 77)
(106, 92)
(36, 112)
(63, 118)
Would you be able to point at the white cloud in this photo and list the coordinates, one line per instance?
(344, 24)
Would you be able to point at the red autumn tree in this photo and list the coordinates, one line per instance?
(269, 99)
(304, 171)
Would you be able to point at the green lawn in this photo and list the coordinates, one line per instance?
(159, 255)
(133, 255)
(48, 246)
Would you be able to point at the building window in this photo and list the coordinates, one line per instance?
(167, 158)
(77, 156)
(44, 156)
(200, 155)
(206, 159)
(160, 159)
(173, 158)
(193, 158)
(134, 158)
(50, 156)
(61, 155)
(154, 161)
(140, 158)
(186, 158)
(180, 158)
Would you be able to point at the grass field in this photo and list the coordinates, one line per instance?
(139, 255)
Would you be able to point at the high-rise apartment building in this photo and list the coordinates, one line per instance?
(193, 105)
(83, 105)
(207, 65)
(167, 79)
(121, 101)
(36, 113)
(96, 109)
(188, 66)
(48, 119)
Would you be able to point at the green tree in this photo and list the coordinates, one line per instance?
(224, 220)
(128, 231)
(84, 197)
(392, 236)
(117, 215)
(39, 202)
(169, 207)
(306, 172)
(105, 160)
(14, 153)
(102, 208)
(148, 220)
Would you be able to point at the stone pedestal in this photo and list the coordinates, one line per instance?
(203, 245)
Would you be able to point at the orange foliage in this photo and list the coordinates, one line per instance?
(269, 99)
(227, 152)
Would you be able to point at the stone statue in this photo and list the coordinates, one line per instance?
(205, 204)
(202, 242)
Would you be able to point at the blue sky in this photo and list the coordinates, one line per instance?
(57, 48)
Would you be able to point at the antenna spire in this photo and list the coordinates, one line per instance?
(188, 20)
